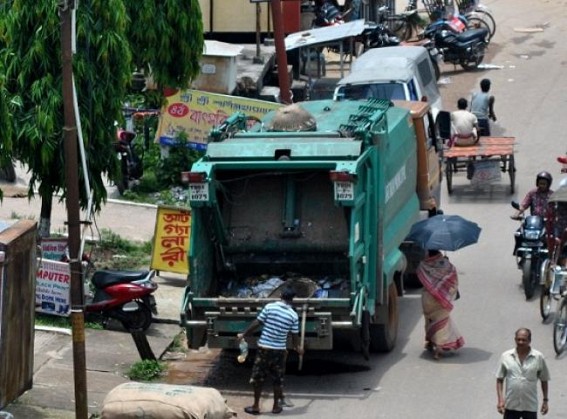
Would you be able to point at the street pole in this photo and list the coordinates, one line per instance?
(70, 145)
(281, 57)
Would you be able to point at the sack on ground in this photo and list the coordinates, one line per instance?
(164, 401)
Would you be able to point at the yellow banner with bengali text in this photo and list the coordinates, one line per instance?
(171, 240)
(195, 113)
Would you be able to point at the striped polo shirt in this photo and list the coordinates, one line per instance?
(278, 319)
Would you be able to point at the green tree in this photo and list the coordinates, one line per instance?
(33, 69)
(31, 54)
(167, 39)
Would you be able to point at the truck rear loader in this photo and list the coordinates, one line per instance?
(319, 195)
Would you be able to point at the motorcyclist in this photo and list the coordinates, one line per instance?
(536, 199)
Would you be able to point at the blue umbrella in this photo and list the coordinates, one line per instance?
(444, 232)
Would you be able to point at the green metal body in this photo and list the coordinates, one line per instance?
(269, 206)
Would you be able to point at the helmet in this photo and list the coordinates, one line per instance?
(544, 175)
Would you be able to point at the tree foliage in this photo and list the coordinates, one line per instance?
(102, 68)
(164, 34)
(168, 39)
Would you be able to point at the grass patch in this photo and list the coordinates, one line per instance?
(146, 370)
(48, 320)
(179, 343)
(116, 253)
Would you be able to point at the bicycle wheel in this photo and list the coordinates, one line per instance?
(560, 329)
(545, 298)
(400, 27)
(486, 16)
(477, 22)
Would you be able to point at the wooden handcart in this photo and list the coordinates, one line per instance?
(481, 162)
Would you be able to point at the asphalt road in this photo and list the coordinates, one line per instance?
(407, 383)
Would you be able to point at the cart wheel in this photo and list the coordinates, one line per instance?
(449, 175)
(512, 173)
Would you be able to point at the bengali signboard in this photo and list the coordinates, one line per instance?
(195, 113)
(171, 240)
(53, 288)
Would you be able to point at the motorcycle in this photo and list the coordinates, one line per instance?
(530, 250)
(126, 296)
(378, 35)
(465, 48)
(130, 163)
(375, 34)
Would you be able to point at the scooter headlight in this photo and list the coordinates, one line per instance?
(531, 234)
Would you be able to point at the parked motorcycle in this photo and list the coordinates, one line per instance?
(375, 34)
(530, 250)
(126, 296)
(466, 48)
(131, 164)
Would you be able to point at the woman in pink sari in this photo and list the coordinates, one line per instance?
(440, 287)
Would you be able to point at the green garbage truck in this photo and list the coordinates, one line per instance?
(318, 196)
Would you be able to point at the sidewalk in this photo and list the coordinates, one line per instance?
(109, 353)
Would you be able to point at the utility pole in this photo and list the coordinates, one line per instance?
(281, 57)
(70, 145)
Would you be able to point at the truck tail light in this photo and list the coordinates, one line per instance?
(342, 177)
(193, 177)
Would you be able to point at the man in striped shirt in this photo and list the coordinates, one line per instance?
(277, 319)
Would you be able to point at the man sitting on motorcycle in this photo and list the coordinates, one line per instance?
(536, 200)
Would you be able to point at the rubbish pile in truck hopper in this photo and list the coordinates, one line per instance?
(266, 286)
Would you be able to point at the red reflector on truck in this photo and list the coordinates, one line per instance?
(193, 177)
(342, 177)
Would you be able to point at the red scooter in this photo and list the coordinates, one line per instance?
(125, 296)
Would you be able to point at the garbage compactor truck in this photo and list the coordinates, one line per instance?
(317, 196)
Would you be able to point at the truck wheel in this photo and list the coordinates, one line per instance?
(384, 330)
(412, 281)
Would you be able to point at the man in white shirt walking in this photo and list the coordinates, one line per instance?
(520, 368)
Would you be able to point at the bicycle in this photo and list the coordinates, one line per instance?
(407, 23)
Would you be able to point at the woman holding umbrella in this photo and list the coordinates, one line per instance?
(439, 276)
(440, 289)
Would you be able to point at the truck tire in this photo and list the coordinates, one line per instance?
(384, 329)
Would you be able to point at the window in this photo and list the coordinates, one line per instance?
(390, 91)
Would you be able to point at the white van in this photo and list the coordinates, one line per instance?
(394, 73)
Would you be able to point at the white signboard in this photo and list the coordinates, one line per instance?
(53, 288)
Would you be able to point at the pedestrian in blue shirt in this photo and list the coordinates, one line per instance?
(277, 319)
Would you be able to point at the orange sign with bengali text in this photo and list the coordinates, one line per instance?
(171, 240)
